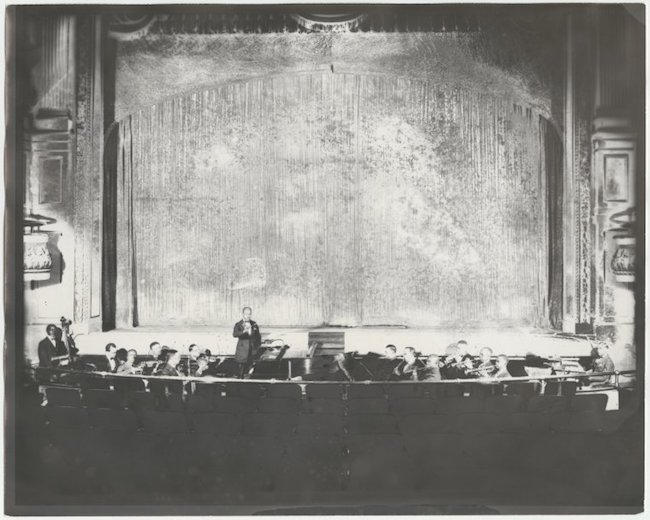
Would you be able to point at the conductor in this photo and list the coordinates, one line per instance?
(248, 342)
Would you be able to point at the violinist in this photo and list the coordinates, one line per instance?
(484, 367)
(502, 367)
(457, 362)
(408, 369)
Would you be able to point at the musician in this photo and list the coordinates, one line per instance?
(109, 363)
(457, 363)
(408, 369)
(132, 356)
(191, 364)
(485, 367)
(155, 349)
(382, 367)
(50, 348)
(126, 361)
(601, 362)
(431, 369)
(249, 340)
(170, 368)
(154, 360)
(502, 367)
(202, 367)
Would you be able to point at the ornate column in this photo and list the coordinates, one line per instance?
(87, 208)
(615, 168)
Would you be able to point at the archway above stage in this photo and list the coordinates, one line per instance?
(332, 198)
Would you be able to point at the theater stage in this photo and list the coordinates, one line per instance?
(512, 342)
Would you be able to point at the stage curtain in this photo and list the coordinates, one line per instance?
(337, 199)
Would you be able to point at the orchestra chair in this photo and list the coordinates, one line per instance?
(479, 423)
(524, 389)
(113, 419)
(314, 465)
(412, 405)
(380, 462)
(588, 403)
(209, 389)
(287, 405)
(173, 402)
(431, 448)
(480, 390)
(88, 381)
(163, 422)
(405, 390)
(256, 463)
(234, 404)
(245, 389)
(284, 391)
(377, 423)
(215, 424)
(364, 391)
(368, 406)
(428, 424)
(269, 424)
(63, 396)
(560, 388)
(457, 405)
(98, 398)
(139, 401)
(451, 389)
(324, 406)
(67, 417)
(200, 402)
(321, 425)
(325, 391)
(503, 404)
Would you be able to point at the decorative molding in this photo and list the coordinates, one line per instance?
(127, 27)
(322, 22)
(247, 21)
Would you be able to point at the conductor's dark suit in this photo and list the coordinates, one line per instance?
(47, 350)
(247, 344)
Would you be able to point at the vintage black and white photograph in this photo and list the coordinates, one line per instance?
(324, 259)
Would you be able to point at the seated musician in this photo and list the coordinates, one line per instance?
(502, 367)
(121, 357)
(51, 350)
(153, 361)
(601, 363)
(408, 369)
(431, 370)
(109, 363)
(457, 363)
(485, 367)
(170, 368)
(126, 361)
(202, 367)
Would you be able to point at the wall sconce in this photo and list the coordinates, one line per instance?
(623, 261)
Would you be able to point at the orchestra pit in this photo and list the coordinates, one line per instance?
(331, 259)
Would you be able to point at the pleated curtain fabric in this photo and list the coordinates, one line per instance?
(336, 198)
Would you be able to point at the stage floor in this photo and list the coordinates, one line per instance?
(512, 342)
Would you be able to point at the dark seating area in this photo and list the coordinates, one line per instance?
(302, 444)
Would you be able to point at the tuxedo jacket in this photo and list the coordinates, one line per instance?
(247, 344)
(104, 366)
(46, 351)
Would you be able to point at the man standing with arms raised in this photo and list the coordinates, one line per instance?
(249, 341)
